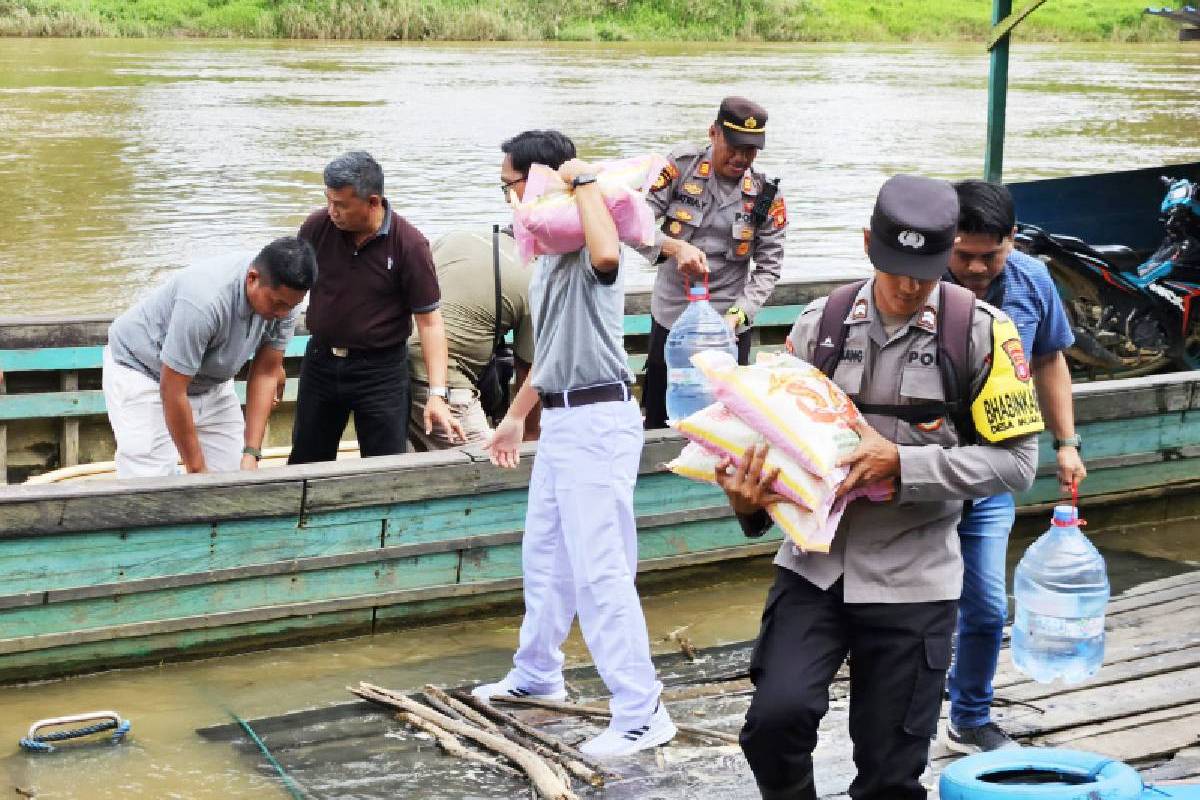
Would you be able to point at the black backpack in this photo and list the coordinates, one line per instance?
(495, 381)
(956, 314)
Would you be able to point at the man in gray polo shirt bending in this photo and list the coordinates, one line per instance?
(170, 361)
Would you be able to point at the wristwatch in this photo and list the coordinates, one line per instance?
(252, 451)
(582, 180)
(1070, 441)
(439, 391)
(737, 312)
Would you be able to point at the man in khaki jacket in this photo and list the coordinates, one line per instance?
(886, 593)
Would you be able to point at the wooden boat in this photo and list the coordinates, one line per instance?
(101, 573)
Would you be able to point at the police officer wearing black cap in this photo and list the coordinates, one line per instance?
(886, 593)
(718, 217)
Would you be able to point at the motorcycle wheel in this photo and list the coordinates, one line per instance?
(1187, 356)
(1083, 302)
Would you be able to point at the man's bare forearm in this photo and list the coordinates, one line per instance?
(1052, 378)
(177, 413)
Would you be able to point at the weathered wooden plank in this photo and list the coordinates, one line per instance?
(1087, 706)
(69, 437)
(1118, 479)
(693, 537)
(1137, 738)
(1114, 674)
(3, 438)
(101, 505)
(271, 591)
(87, 402)
(1163, 584)
(53, 359)
(112, 652)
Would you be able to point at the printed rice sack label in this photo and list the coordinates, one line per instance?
(546, 220)
(790, 402)
(718, 430)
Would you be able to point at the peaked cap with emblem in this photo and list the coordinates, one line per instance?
(913, 227)
(743, 122)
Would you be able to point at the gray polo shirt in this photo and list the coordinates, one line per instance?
(199, 323)
(578, 324)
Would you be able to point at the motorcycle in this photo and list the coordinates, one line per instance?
(1131, 316)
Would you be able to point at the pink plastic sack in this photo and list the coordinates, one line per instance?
(788, 401)
(801, 526)
(546, 220)
(720, 432)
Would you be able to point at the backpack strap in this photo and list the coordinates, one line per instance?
(498, 334)
(955, 318)
(956, 314)
(832, 327)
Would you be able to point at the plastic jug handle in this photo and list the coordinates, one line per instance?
(687, 284)
(1079, 521)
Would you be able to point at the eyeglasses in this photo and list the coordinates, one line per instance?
(505, 186)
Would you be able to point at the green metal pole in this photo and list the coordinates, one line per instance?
(993, 159)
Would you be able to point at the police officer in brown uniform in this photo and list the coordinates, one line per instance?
(719, 217)
(886, 593)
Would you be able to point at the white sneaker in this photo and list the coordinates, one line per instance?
(614, 743)
(506, 687)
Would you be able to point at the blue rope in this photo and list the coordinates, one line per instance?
(293, 788)
(41, 744)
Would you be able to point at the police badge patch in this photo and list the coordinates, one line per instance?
(1016, 354)
(778, 213)
(927, 321)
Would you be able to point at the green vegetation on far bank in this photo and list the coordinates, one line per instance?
(578, 20)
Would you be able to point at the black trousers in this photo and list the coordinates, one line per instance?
(373, 385)
(899, 654)
(654, 387)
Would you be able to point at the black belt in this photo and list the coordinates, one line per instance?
(604, 393)
(356, 352)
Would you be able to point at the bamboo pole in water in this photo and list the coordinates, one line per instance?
(461, 708)
(453, 746)
(578, 764)
(548, 783)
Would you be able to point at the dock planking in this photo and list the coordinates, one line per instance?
(1143, 707)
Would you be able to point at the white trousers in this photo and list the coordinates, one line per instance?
(579, 556)
(144, 445)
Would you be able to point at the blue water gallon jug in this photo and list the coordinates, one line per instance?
(1061, 590)
(698, 328)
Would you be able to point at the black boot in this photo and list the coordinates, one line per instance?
(800, 791)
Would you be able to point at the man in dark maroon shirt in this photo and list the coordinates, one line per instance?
(374, 275)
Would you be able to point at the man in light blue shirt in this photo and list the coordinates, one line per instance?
(170, 361)
(983, 260)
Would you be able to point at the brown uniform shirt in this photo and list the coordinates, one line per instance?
(364, 297)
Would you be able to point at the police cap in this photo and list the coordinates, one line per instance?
(913, 227)
(743, 122)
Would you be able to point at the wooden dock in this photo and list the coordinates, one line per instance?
(1143, 707)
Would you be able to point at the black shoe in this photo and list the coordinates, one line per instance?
(979, 739)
